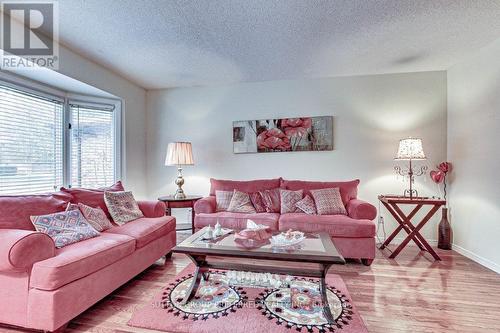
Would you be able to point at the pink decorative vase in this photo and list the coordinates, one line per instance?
(444, 231)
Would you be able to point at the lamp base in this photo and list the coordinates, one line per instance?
(179, 181)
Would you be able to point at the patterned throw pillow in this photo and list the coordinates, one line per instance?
(71, 206)
(222, 200)
(328, 201)
(241, 203)
(271, 199)
(257, 202)
(289, 200)
(64, 227)
(122, 206)
(307, 205)
(96, 217)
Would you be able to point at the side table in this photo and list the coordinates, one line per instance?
(187, 202)
(393, 203)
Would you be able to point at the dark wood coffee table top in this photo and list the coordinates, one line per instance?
(316, 248)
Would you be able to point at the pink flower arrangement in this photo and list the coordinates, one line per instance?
(273, 139)
(439, 176)
(294, 127)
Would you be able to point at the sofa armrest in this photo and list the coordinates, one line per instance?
(20, 249)
(205, 205)
(361, 210)
(152, 208)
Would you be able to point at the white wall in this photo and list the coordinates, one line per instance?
(133, 116)
(473, 148)
(371, 113)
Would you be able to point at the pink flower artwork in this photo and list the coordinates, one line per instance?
(273, 139)
(294, 127)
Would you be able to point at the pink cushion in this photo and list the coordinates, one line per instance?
(237, 221)
(348, 189)
(359, 209)
(122, 206)
(145, 229)
(65, 227)
(334, 225)
(307, 205)
(205, 205)
(92, 197)
(257, 202)
(81, 259)
(289, 199)
(272, 200)
(151, 208)
(247, 186)
(328, 201)
(241, 203)
(223, 200)
(95, 217)
(20, 249)
(16, 210)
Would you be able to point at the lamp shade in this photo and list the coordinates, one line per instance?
(179, 153)
(410, 149)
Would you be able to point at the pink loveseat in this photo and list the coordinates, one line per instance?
(42, 287)
(352, 234)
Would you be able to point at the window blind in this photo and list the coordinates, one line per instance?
(31, 142)
(92, 145)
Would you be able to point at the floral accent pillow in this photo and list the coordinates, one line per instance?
(271, 199)
(307, 205)
(96, 217)
(122, 206)
(64, 228)
(289, 200)
(222, 200)
(257, 202)
(328, 201)
(241, 203)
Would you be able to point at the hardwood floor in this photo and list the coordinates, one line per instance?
(409, 294)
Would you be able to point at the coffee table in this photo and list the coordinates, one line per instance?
(315, 249)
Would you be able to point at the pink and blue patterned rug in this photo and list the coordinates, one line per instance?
(219, 308)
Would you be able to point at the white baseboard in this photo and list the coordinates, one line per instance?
(466, 253)
(480, 260)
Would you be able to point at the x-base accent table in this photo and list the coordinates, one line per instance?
(393, 203)
(188, 202)
(315, 249)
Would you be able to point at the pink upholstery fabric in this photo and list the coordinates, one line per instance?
(80, 259)
(146, 229)
(328, 201)
(356, 248)
(16, 210)
(240, 203)
(335, 225)
(48, 310)
(257, 202)
(236, 221)
(307, 205)
(14, 298)
(289, 200)
(20, 249)
(152, 208)
(348, 189)
(361, 210)
(92, 197)
(247, 186)
(205, 205)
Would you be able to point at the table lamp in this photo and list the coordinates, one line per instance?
(179, 154)
(410, 149)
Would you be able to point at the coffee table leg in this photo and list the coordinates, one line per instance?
(199, 273)
(324, 297)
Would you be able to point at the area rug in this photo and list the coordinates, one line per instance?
(219, 308)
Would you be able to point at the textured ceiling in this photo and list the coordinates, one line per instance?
(170, 43)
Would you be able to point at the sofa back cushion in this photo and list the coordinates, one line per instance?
(247, 186)
(17, 209)
(348, 189)
(92, 197)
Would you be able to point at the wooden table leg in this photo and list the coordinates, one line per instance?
(415, 232)
(192, 219)
(418, 239)
(402, 224)
(324, 295)
(200, 272)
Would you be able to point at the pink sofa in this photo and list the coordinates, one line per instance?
(42, 287)
(353, 234)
